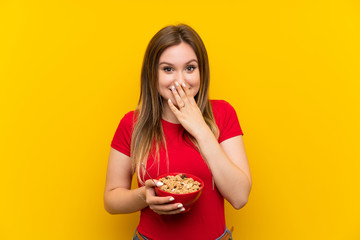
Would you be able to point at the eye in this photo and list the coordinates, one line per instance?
(167, 69)
(190, 68)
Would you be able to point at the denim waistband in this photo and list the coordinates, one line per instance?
(225, 236)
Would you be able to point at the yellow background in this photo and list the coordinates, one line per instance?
(69, 70)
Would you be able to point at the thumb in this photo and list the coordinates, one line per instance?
(150, 183)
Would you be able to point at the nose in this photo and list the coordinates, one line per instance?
(181, 78)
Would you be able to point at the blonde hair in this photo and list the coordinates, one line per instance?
(148, 130)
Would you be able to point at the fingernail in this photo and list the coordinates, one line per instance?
(173, 88)
(177, 84)
(171, 199)
(183, 85)
(180, 205)
(183, 209)
(159, 184)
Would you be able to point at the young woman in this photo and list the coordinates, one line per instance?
(176, 128)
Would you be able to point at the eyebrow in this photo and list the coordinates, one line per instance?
(172, 64)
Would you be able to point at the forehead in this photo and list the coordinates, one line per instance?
(178, 54)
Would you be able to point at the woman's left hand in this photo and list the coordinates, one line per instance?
(187, 112)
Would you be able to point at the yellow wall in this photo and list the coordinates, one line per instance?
(69, 70)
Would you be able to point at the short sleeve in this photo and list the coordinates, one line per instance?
(122, 137)
(227, 120)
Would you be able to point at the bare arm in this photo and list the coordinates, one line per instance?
(227, 161)
(118, 198)
(229, 165)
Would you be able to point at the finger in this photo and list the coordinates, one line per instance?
(188, 93)
(180, 90)
(180, 103)
(168, 208)
(150, 183)
(177, 211)
(174, 109)
(186, 89)
(151, 199)
(150, 187)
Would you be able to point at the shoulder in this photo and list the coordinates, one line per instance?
(221, 107)
(226, 119)
(219, 103)
(223, 112)
(122, 137)
(129, 118)
(127, 122)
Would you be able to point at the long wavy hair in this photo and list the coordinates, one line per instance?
(148, 136)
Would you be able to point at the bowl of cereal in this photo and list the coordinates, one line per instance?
(184, 187)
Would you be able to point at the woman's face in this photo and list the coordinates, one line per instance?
(178, 63)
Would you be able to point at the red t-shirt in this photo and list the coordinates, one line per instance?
(206, 218)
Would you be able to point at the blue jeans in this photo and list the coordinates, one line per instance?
(226, 231)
